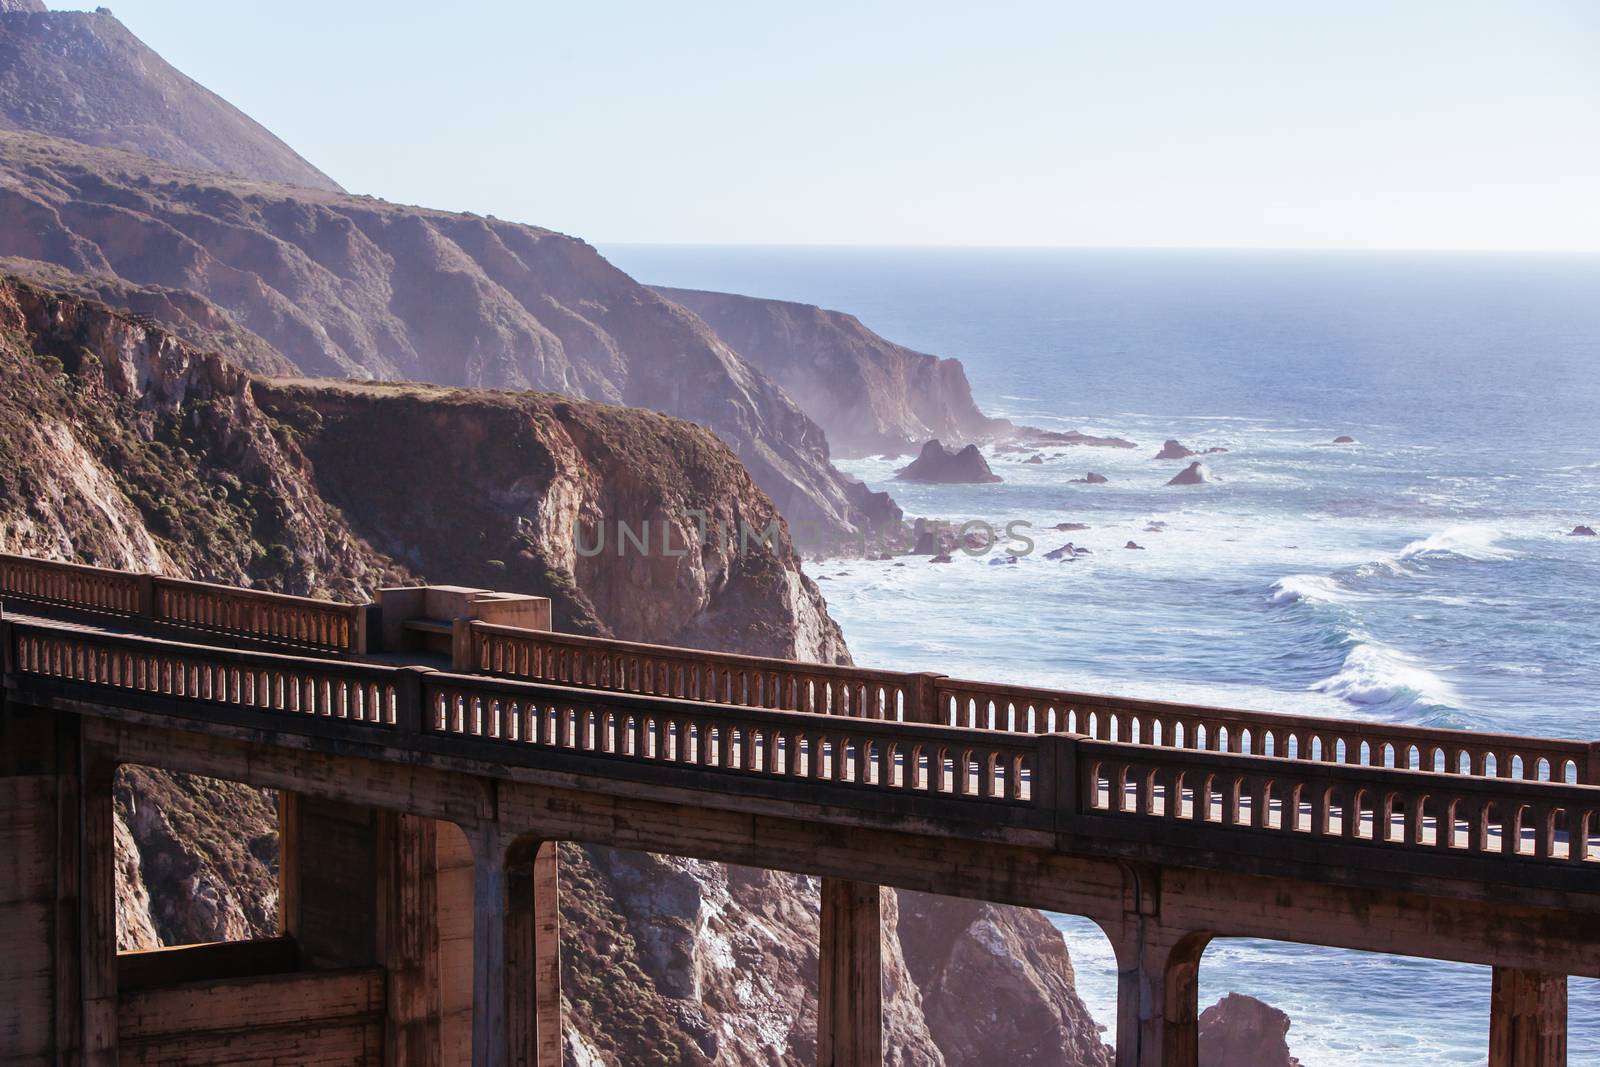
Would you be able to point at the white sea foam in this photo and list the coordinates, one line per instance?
(1308, 588)
(1374, 673)
(1469, 542)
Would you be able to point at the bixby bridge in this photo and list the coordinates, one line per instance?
(431, 750)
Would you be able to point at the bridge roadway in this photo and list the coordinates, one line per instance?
(1168, 825)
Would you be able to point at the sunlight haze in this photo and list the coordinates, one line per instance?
(1359, 125)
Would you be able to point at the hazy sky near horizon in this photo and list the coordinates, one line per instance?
(1357, 124)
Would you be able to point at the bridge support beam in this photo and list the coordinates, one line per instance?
(1158, 988)
(516, 957)
(408, 940)
(850, 987)
(1528, 1019)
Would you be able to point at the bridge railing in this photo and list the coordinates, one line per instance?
(692, 674)
(758, 682)
(249, 681)
(1047, 780)
(275, 618)
(750, 681)
(1261, 733)
(247, 614)
(1395, 808)
(896, 757)
(70, 585)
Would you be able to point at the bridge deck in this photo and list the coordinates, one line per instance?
(1190, 784)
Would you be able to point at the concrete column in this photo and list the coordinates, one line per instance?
(850, 978)
(1158, 995)
(97, 910)
(516, 1019)
(1528, 1019)
(408, 941)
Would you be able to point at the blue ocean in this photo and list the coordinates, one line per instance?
(1423, 574)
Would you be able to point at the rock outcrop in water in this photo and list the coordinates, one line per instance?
(1582, 531)
(936, 463)
(1241, 1031)
(1090, 479)
(82, 76)
(1194, 474)
(1029, 435)
(123, 446)
(1177, 450)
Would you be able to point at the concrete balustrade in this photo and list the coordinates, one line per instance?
(1163, 823)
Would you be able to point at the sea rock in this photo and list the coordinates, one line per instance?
(1582, 531)
(932, 538)
(943, 557)
(1002, 561)
(1033, 436)
(1344, 439)
(1154, 527)
(1194, 474)
(1035, 458)
(1177, 450)
(1065, 553)
(1134, 545)
(1090, 479)
(1066, 526)
(940, 465)
(1241, 1031)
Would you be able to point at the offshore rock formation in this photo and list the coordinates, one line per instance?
(1195, 473)
(936, 463)
(1239, 1030)
(869, 394)
(356, 287)
(124, 446)
(81, 75)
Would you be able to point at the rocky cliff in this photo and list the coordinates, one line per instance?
(122, 445)
(869, 394)
(353, 286)
(81, 75)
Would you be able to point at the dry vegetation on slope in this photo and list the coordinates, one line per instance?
(353, 286)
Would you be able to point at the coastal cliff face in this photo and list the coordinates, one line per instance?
(81, 75)
(124, 446)
(357, 287)
(870, 395)
(599, 508)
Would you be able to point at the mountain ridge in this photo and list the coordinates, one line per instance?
(83, 76)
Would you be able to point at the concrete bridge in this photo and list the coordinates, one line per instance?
(431, 749)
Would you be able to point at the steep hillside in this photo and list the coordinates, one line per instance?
(352, 286)
(82, 76)
(869, 394)
(531, 492)
(122, 445)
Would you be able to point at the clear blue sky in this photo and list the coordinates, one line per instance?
(1344, 123)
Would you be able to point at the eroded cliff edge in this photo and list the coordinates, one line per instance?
(352, 286)
(123, 446)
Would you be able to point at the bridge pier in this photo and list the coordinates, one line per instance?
(1528, 1019)
(1157, 992)
(58, 926)
(850, 975)
(516, 954)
